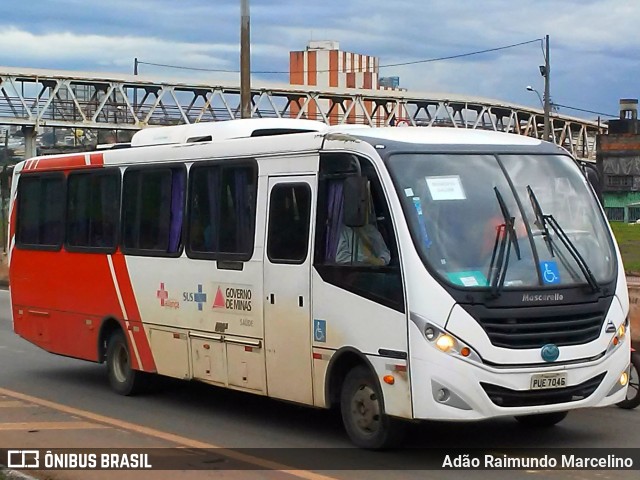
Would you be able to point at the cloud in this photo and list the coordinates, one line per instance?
(594, 42)
(104, 49)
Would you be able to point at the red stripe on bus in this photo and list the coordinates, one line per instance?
(96, 159)
(58, 163)
(133, 313)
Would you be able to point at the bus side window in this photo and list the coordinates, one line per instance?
(289, 215)
(222, 201)
(153, 210)
(93, 205)
(40, 211)
(363, 258)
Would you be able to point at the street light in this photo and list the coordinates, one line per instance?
(531, 89)
(545, 100)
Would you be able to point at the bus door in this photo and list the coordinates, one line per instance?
(287, 271)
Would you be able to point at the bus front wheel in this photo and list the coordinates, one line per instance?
(122, 378)
(542, 420)
(363, 412)
(632, 399)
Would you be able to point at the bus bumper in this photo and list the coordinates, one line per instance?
(448, 388)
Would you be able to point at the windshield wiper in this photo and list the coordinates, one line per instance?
(498, 265)
(540, 221)
(549, 220)
(509, 222)
(505, 237)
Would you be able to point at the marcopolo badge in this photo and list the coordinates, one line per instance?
(550, 352)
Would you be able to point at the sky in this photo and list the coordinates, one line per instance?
(594, 44)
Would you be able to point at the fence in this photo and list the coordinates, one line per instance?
(626, 214)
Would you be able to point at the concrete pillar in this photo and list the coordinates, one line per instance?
(30, 145)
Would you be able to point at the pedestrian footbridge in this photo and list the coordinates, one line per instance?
(35, 98)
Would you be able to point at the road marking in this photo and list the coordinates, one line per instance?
(12, 404)
(50, 426)
(169, 437)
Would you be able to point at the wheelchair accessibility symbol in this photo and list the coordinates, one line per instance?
(550, 272)
(320, 330)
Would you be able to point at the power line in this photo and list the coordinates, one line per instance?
(462, 54)
(415, 62)
(583, 110)
(180, 67)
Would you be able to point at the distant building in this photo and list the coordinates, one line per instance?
(618, 160)
(389, 82)
(324, 65)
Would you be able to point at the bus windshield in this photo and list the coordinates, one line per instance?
(507, 221)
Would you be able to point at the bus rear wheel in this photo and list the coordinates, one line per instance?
(363, 412)
(122, 378)
(542, 420)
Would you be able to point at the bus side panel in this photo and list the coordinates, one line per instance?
(59, 299)
(344, 320)
(69, 334)
(187, 297)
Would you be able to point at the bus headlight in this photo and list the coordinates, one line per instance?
(447, 343)
(622, 331)
(619, 335)
(429, 333)
(624, 379)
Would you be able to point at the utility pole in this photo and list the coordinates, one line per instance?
(547, 98)
(135, 88)
(245, 60)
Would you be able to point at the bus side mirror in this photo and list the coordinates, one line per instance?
(356, 196)
(594, 179)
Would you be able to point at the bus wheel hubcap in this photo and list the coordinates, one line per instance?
(365, 409)
(121, 364)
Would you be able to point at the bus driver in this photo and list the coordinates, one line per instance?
(370, 247)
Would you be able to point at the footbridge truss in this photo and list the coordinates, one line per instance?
(35, 98)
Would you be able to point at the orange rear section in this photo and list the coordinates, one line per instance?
(60, 300)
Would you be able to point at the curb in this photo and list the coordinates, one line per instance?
(14, 474)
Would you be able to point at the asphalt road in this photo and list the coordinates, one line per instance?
(237, 420)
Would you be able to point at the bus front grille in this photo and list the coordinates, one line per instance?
(505, 397)
(534, 332)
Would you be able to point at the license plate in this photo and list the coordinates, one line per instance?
(542, 381)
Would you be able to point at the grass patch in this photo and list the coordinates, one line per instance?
(628, 238)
